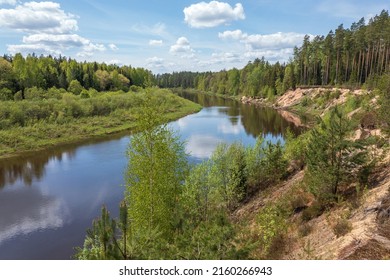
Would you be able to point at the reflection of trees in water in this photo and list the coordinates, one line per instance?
(32, 166)
(29, 168)
(256, 120)
(265, 120)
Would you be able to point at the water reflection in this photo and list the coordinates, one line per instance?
(255, 120)
(29, 210)
(202, 146)
(28, 169)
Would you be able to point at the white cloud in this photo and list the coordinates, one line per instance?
(113, 47)
(50, 30)
(232, 35)
(114, 61)
(155, 62)
(84, 54)
(225, 57)
(158, 29)
(62, 41)
(8, 2)
(155, 42)
(277, 40)
(270, 55)
(55, 44)
(182, 46)
(33, 48)
(38, 17)
(212, 14)
(94, 47)
(230, 129)
(273, 47)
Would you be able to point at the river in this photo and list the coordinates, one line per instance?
(49, 199)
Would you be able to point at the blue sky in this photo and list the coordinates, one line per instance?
(166, 36)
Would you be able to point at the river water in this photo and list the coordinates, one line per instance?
(49, 199)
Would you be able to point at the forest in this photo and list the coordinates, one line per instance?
(18, 74)
(348, 57)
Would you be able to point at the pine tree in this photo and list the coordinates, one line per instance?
(332, 159)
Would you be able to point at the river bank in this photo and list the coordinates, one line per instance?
(353, 227)
(38, 135)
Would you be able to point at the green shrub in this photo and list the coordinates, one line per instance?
(34, 93)
(75, 87)
(304, 230)
(5, 94)
(342, 227)
(335, 94)
(18, 95)
(313, 211)
(305, 101)
(272, 224)
(352, 103)
(135, 88)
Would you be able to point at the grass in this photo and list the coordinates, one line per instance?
(45, 133)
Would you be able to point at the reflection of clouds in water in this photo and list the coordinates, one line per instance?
(202, 146)
(29, 211)
(215, 111)
(182, 123)
(96, 199)
(230, 129)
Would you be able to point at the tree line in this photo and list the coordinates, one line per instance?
(347, 57)
(18, 73)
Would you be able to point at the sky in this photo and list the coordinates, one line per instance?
(167, 36)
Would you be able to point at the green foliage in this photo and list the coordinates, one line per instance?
(100, 242)
(272, 225)
(353, 102)
(157, 167)
(34, 93)
(313, 211)
(305, 101)
(62, 117)
(295, 149)
(18, 73)
(332, 159)
(266, 163)
(335, 94)
(199, 197)
(208, 240)
(75, 87)
(342, 227)
(228, 173)
(289, 80)
(18, 96)
(5, 94)
(6, 74)
(384, 89)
